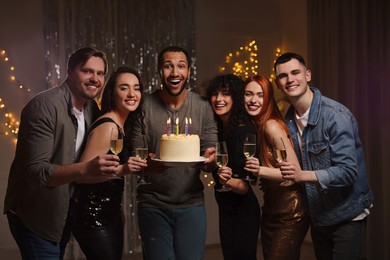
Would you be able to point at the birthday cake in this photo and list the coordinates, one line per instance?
(181, 148)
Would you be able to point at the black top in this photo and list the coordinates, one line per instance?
(235, 144)
(97, 205)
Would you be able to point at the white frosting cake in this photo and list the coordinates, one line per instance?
(181, 148)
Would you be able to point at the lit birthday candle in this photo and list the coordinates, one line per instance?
(168, 128)
(177, 126)
(186, 126)
(190, 132)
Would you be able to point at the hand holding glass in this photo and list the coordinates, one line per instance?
(222, 159)
(141, 151)
(249, 150)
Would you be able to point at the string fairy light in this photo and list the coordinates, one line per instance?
(12, 76)
(272, 77)
(243, 62)
(9, 121)
(278, 52)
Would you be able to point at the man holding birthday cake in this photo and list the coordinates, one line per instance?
(171, 213)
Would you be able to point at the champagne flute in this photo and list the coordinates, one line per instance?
(280, 154)
(249, 151)
(222, 159)
(116, 141)
(141, 151)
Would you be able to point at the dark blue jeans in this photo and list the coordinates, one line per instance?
(33, 246)
(338, 242)
(172, 233)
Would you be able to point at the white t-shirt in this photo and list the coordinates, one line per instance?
(80, 129)
(301, 122)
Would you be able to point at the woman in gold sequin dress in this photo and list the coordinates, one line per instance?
(284, 222)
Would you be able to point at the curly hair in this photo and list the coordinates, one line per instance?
(234, 86)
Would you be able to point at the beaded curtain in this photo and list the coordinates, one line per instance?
(130, 32)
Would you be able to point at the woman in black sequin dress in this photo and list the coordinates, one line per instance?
(96, 210)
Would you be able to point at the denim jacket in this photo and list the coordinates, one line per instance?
(331, 147)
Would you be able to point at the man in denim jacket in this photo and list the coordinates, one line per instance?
(325, 135)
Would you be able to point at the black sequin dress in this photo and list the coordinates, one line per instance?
(96, 213)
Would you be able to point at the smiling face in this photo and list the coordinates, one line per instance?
(292, 78)
(127, 92)
(86, 81)
(222, 103)
(175, 72)
(253, 98)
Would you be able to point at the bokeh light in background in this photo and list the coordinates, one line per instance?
(9, 122)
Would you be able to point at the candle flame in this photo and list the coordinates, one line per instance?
(177, 121)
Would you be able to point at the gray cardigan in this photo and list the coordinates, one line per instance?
(47, 138)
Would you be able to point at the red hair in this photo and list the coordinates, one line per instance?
(269, 111)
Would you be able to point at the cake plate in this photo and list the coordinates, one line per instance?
(180, 163)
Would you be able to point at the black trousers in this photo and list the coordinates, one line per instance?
(340, 241)
(105, 243)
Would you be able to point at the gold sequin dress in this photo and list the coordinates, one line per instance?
(284, 221)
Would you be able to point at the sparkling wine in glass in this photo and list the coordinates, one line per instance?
(249, 150)
(222, 159)
(279, 151)
(280, 154)
(141, 151)
(116, 141)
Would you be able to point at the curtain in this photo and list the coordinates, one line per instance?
(349, 55)
(130, 33)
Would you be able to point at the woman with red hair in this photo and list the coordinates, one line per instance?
(284, 221)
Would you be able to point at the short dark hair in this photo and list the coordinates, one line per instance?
(287, 57)
(82, 55)
(107, 97)
(172, 49)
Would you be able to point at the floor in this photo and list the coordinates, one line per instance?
(213, 252)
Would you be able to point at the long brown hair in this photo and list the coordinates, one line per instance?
(269, 111)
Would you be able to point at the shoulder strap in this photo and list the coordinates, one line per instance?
(102, 121)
